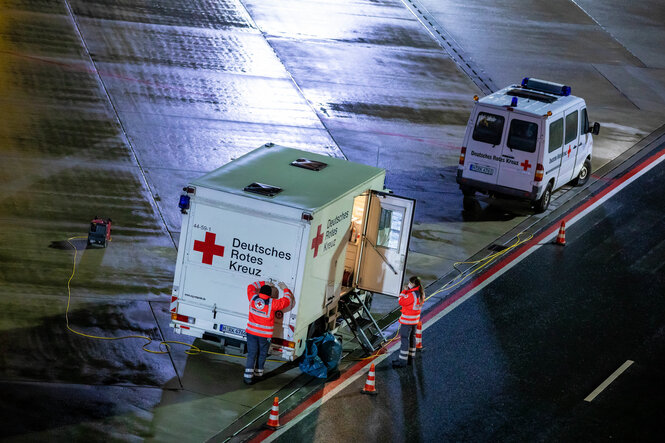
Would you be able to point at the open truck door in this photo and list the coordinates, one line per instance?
(385, 243)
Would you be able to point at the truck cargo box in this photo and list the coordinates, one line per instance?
(324, 226)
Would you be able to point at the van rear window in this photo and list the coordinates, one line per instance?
(489, 128)
(522, 135)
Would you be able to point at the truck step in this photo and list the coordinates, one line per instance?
(362, 324)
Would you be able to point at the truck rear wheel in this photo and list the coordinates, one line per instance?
(544, 202)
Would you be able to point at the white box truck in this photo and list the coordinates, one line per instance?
(524, 142)
(324, 226)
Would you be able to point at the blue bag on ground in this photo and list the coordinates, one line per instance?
(312, 363)
(330, 351)
(322, 356)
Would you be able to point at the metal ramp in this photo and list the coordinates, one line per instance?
(357, 316)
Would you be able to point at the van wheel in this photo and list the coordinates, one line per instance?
(544, 202)
(584, 174)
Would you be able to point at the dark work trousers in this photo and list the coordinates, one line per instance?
(408, 339)
(257, 352)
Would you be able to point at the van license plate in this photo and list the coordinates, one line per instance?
(482, 169)
(233, 330)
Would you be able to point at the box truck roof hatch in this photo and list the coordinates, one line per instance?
(289, 177)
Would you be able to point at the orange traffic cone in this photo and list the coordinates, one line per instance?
(561, 238)
(273, 420)
(369, 383)
(419, 336)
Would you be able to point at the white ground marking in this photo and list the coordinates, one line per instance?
(609, 380)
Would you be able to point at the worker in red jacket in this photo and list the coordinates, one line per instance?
(263, 303)
(411, 299)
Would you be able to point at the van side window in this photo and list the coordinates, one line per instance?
(522, 135)
(556, 135)
(489, 128)
(585, 123)
(571, 127)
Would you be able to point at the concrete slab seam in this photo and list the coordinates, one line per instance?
(616, 87)
(333, 150)
(608, 32)
(153, 202)
(448, 44)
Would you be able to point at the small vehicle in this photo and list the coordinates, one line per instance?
(524, 142)
(99, 234)
(324, 226)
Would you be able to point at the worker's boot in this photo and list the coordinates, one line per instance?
(258, 375)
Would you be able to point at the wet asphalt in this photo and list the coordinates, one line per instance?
(522, 359)
(109, 108)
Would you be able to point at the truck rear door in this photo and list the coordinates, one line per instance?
(520, 153)
(228, 249)
(483, 150)
(385, 243)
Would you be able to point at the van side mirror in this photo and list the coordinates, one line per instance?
(595, 129)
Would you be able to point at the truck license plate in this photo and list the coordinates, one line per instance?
(482, 169)
(233, 330)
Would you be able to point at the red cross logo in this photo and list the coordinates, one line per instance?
(209, 248)
(525, 164)
(569, 151)
(316, 241)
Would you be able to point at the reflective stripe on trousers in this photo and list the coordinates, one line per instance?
(408, 342)
(257, 352)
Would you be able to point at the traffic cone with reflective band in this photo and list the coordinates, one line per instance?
(561, 238)
(273, 420)
(369, 383)
(419, 336)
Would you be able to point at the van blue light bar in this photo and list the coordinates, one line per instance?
(545, 86)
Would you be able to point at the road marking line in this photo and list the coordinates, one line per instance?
(609, 380)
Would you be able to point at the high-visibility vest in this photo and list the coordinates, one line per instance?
(411, 306)
(262, 310)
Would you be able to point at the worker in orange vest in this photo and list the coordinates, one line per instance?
(411, 299)
(263, 303)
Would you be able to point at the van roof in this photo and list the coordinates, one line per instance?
(530, 101)
(299, 187)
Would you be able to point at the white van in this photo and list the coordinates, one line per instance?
(524, 142)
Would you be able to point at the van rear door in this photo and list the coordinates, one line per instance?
(482, 154)
(385, 243)
(519, 154)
